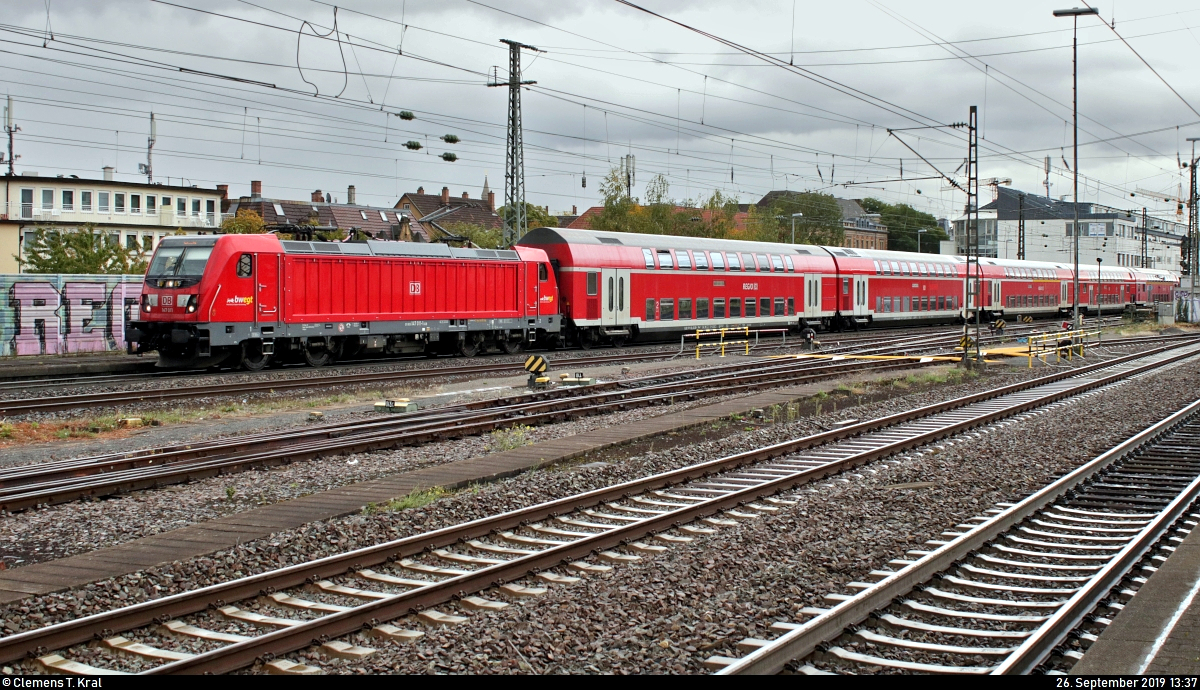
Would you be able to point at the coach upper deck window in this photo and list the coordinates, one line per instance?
(895, 268)
(664, 259)
(685, 261)
(790, 266)
(718, 261)
(701, 260)
(886, 271)
(777, 263)
(734, 263)
(245, 266)
(543, 273)
(648, 255)
(747, 262)
(593, 283)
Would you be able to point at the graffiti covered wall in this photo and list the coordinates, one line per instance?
(63, 314)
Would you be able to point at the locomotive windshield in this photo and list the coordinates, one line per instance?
(178, 261)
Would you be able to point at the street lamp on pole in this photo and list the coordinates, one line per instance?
(1075, 14)
(794, 217)
(1192, 233)
(920, 231)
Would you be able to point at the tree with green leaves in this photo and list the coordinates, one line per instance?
(820, 224)
(661, 214)
(82, 251)
(903, 222)
(535, 216)
(246, 222)
(478, 235)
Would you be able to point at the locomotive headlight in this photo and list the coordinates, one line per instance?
(149, 301)
(192, 301)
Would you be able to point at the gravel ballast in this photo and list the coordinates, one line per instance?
(669, 612)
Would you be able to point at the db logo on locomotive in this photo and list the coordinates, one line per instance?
(414, 287)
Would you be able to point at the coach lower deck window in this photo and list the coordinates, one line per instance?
(701, 260)
(924, 304)
(649, 309)
(718, 261)
(887, 304)
(764, 306)
(718, 308)
(779, 307)
(702, 308)
(941, 303)
(735, 307)
(791, 304)
(666, 309)
(685, 308)
(648, 255)
(751, 308)
(664, 259)
(593, 283)
(685, 261)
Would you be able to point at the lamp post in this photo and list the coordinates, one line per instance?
(1075, 14)
(1192, 233)
(920, 231)
(1099, 299)
(794, 217)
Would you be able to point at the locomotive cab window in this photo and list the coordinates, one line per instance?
(593, 283)
(245, 266)
(543, 273)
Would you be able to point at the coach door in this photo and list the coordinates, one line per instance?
(614, 310)
(860, 295)
(812, 295)
(266, 280)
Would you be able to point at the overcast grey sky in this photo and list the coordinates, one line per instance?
(85, 75)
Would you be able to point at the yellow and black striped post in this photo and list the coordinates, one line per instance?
(536, 364)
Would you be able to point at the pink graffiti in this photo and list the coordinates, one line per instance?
(88, 316)
(37, 318)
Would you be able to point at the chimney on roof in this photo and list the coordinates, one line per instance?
(491, 199)
(420, 190)
(328, 198)
(317, 197)
(108, 173)
(350, 195)
(255, 189)
(224, 190)
(574, 212)
(445, 195)
(465, 196)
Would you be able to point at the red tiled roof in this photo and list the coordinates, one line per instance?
(429, 207)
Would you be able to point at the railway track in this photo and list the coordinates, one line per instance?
(181, 390)
(386, 589)
(1022, 589)
(56, 482)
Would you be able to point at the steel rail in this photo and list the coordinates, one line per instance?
(14, 407)
(804, 639)
(73, 632)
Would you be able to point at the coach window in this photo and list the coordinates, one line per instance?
(878, 303)
(701, 260)
(751, 308)
(702, 308)
(923, 270)
(735, 307)
(664, 259)
(887, 304)
(924, 304)
(718, 261)
(878, 271)
(886, 270)
(895, 268)
(748, 262)
(685, 308)
(790, 266)
(764, 306)
(543, 273)
(734, 263)
(718, 308)
(593, 283)
(791, 302)
(245, 266)
(779, 306)
(845, 286)
(685, 261)
(941, 303)
(648, 255)
(649, 310)
(666, 309)
(777, 263)
(763, 263)
(611, 290)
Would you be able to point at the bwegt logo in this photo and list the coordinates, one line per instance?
(240, 300)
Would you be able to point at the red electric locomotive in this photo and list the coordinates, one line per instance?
(253, 300)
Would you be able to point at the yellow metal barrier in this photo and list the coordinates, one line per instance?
(722, 345)
(1043, 345)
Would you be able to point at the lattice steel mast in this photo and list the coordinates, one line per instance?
(974, 283)
(515, 221)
